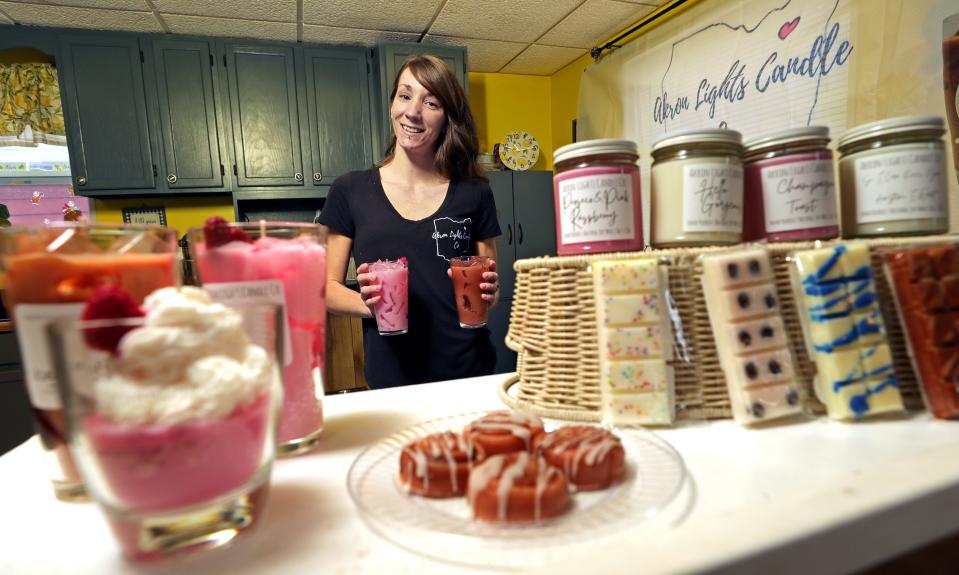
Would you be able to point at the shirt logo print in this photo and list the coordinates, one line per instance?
(452, 237)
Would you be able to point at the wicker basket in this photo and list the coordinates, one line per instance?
(553, 330)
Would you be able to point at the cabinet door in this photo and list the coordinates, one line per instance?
(390, 58)
(104, 108)
(337, 91)
(502, 185)
(534, 214)
(188, 114)
(266, 125)
(498, 326)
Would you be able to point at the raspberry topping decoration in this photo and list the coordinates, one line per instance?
(109, 302)
(217, 232)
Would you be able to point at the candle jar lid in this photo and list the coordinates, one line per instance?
(698, 136)
(593, 148)
(789, 137)
(890, 126)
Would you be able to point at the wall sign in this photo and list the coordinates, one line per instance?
(146, 215)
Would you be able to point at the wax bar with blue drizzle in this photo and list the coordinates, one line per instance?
(926, 284)
(750, 336)
(636, 383)
(845, 335)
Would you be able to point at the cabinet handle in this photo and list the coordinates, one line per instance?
(519, 227)
(317, 176)
(171, 178)
(81, 180)
(509, 228)
(298, 177)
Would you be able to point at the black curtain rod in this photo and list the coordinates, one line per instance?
(597, 52)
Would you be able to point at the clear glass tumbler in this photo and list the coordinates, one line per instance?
(392, 311)
(467, 277)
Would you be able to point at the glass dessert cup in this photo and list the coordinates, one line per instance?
(287, 260)
(48, 272)
(174, 467)
(467, 275)
(392, 311)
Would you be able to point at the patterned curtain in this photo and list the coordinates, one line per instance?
(30, 109)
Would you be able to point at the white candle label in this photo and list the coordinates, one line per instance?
(596, 208)
(712, 198)
(240, 295)
(895, 186)
(799, 196)
(31, 326)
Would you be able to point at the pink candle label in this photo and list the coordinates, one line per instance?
(595, 208)
(712, 198)
(799, 195)
(32, 321)
(908, 185)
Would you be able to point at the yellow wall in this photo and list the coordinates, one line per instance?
(182, 212)
(564, 98)
(504, 103)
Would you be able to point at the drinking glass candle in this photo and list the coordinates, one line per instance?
(790, 187)
(49, 273)
(892, 178)
(281, 263)
(697, 188)
(467, 275)
(392, 311)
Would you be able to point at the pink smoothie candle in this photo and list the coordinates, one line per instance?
(392, 311)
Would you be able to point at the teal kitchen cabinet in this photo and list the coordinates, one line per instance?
(389, 59)
(339, 129)
(189, 114)
(266, 110)
(524, 208)
(105, 112)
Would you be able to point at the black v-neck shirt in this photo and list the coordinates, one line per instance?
(435, 347)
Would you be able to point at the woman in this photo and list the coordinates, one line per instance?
(429, 202)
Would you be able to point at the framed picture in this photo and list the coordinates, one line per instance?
(147, 215)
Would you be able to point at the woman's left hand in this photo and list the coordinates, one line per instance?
(491, 287)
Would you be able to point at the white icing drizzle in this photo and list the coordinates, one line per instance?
(441, 446)
(482, 474)
(543, 476)
(519, 423)
(506, 480)
(591, 445)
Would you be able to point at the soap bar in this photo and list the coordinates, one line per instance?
(924, 281)
(635, 343)
(750, 336)
(844, 332)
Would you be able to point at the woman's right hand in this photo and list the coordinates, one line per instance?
(369, 286)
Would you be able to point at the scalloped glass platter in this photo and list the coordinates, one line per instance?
(444, 529)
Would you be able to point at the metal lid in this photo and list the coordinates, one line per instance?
(891, 126)
(593, 147)
(698, 136)
(790, 136)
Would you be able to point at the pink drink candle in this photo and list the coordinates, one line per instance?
(392, 311)
(287, 260)
(790, 187)
(597, 197)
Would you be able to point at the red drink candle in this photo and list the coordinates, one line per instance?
(467, 275)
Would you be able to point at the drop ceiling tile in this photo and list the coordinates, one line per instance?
(4, 19)
(482, 55)
(269, 10)
(653, 3)
(204, 26)
(70, 17)
(402, 16)
(540, 60)
(140, 5)
(593, 22)
(356, 36)
(505, 20)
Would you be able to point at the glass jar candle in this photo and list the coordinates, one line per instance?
(892, 178)
(790, 186)
(597, 197)
(697, 188)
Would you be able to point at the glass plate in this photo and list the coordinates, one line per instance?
(444, 528)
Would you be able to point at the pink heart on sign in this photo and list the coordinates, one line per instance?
(787, 28)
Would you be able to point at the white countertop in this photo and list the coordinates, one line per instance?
(816, 496)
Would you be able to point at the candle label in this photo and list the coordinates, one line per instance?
(712, 198)
(240, 295)
(596, 208)
(907, 185)
(799, 196)
(32, 321)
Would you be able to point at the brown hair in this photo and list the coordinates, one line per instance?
(458, 145)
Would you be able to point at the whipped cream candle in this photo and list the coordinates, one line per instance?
(697, 188)
(597, 197)
(892, 178)
(790, 186)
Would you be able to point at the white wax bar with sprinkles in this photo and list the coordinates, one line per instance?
(635, 342)
(750, 336)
